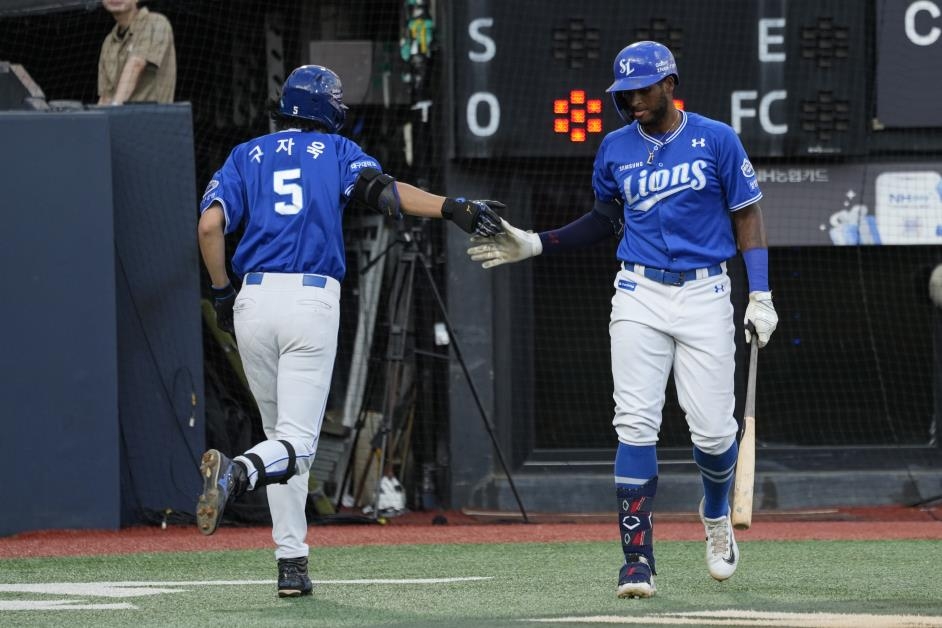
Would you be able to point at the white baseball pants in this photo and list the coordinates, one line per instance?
(287, 335)
(655, 327)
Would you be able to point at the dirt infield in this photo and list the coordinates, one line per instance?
(480, 527)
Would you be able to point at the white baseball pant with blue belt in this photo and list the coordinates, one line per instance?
(286, 326)
(689, 327)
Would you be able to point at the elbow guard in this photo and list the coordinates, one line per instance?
(377, 191)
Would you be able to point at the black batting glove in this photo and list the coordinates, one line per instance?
(223, 300)
(488, 223)
(476, 217)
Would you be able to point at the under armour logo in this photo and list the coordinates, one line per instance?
(698, 142)
(719, 288)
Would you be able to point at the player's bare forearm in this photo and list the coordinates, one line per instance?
(212, 240)
(750, 230)
(418, 202)
(128, 81)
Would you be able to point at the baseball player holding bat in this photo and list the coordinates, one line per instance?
(680, 192)
(288, 191)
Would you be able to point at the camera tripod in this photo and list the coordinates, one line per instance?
(399, 350)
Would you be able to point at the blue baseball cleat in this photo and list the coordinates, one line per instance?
(635, 578)
(223, 481)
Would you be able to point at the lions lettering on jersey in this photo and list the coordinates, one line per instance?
(675, 207)
(642, 194)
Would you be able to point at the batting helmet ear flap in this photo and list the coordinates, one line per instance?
(622, 106)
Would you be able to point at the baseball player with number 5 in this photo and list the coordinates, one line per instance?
(679, 190)
(288, 190)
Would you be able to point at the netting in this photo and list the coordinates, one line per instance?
(849, 159)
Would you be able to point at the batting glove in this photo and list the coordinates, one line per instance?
(512, 245)
(761, 313)
(477, 217)
(223, 300)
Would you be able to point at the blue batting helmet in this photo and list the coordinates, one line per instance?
(314, 92)
(641, 64)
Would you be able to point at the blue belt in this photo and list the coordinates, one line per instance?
(673, 278)
(316, 281)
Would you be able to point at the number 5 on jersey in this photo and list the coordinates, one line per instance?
(288, 183)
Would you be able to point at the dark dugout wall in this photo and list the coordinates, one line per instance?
(102, 378)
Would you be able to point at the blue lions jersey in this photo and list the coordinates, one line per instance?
(289, 190)
(676, 191)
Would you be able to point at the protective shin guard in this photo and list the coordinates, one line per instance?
(635, 519)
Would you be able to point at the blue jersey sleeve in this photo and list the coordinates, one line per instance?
(603, 181)
(226, 188)
(352, 160)
(735, 171)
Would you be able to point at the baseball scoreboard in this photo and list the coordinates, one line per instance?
(788, 75)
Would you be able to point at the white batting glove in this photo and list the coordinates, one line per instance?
(513, 245)
(761, 313)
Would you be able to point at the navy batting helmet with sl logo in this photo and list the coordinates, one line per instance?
(314, 92)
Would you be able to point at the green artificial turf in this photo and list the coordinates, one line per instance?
(523, 582)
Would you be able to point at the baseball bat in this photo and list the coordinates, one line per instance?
(746, 463)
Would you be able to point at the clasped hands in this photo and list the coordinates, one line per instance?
(508, 246)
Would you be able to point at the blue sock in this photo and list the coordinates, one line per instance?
(717, 472)
(635, 464)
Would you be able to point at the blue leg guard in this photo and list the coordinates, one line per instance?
(635, 520)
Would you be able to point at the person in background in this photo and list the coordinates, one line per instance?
(138, 62)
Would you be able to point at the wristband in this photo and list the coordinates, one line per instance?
(757, 268)
(461, 212)
(224, 292)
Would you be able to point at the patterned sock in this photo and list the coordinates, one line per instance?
(717, 472)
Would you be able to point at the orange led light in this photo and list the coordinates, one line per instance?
(679, 103)
(572, 115)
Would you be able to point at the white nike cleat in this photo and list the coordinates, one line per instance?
(722, 553)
